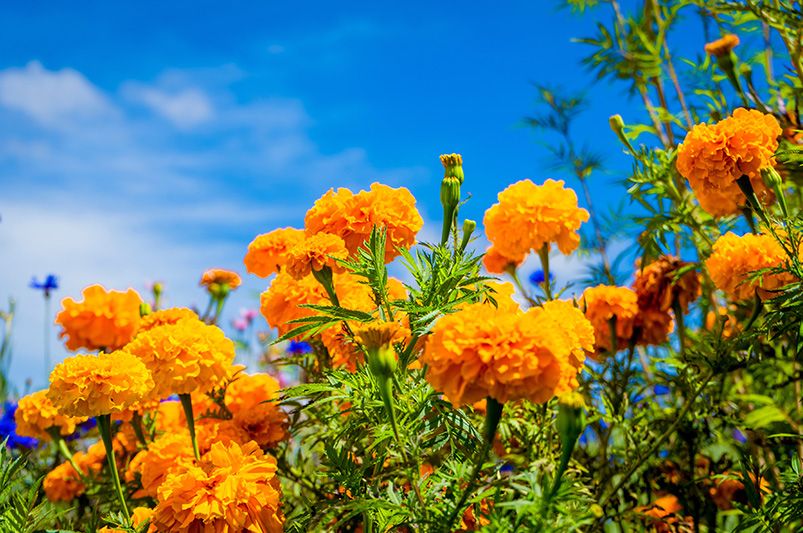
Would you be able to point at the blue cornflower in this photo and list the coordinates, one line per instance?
(739, 436)
(537, 277)
(660, 390)
(51, 283)
(299, 348)
(8, 429)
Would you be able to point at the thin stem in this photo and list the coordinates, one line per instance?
(46, 336)
(679, 320)
(64, 450)
(543, 254)
(186, 403)
(136, 423)
(105, 429)
(660, 440)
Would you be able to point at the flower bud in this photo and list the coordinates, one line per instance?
(468, 228)
(618, 127)
(144, 309)
(774, 181)
(453, 166)
(571, 419)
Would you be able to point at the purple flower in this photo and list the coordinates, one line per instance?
(51, 283)
(537, 277)
(8, 429)
(739, 436)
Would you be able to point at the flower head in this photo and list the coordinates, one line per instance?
(267, 253)
(64, 484)
(37, 417)
(166, 454)
(496, 263)
(50, 283)
(232, 488)
(722, 46)
(604, 303)
(314, 253)
(280, 303)
(483, 351)
(713, 157)
(541, 215)
(171, 315)
(184, 357)
(352, 217)
(253, 402)
(220, 276)
(103, 320)
(734, 260)
(92, 385)
(665, 281)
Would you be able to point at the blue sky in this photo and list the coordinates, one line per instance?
(143, 141)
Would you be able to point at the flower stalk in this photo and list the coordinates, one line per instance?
(105, 429)
(186, 404)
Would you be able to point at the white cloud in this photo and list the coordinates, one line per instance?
(51, 97)
(185, 109)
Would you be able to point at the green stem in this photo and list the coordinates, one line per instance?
(186, 403)
(105, 429)
(543, 254)
(493, 414)
(219, 301)
(680, 321)
(136, 423)
(324, 277)
(64, 450)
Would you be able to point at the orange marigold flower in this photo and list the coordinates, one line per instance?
(212, 430)
(184, 357)
(503, 292)
(37, 417)
(353, 216)
(497, 263)
(734, 258)
(539, 215)
(64, 484)
(103, 320)
(92, 385)
(252, 401)
(166, 316)
(314, 253)
(661, 283)
(396, 290)
(604, 303)
(576, 335)
(728, 490)
(653, 326)
(267, 253)
(164, 455)
(220, 277)
(713, 157)
(483, 351)
(663, 514)
(170, 416)
(280, 303)
(722, 46)
(232, 488)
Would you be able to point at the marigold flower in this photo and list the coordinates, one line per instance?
(713, 157)
(267, 253)
(164, 455)
(232, 488)
(497, 263)
(103, 320)
(604, 303)
(352, 217)
(734, 258)
(36, 417)
(213, 430)
(529, 217)
(280, 303)
(166, 316)
(727, 490)
(220, 276)
(576, 336)
(483, 351)
(659, 284)
(64, 484)
(93, 385)
(184, 357)
(663, 513)
(252, 401)
(722, 46)
(314, 253)
(653, 326)
(503, 292)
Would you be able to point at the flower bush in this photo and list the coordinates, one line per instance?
(659, 392)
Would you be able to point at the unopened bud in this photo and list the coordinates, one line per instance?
(453, 166)
(144, 309)
(468, 228)
(618, 127)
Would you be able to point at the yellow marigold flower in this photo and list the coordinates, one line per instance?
(529, 217)
(232, 488)
(166, 316)
(103, 320)
(184, 357)
(503, 292)
(496, 263)
(352, 217)
(213, 430)
(722, 46)
(267, 253)
(36, 417)
(658, 284)
(314, 253)
(576, 338)
(482, 351)
(734, 258)
(164, 455)
(713, 157)
(138, 517)
(396, 290)
(603, 303)
(170, 417)
(220, 276)
(252, 401)
(93, 385)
